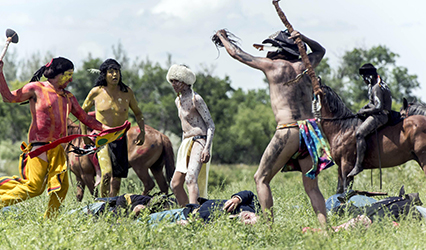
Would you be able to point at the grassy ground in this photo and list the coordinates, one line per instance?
(25, 228)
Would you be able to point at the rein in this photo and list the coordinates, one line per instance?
(339, 118)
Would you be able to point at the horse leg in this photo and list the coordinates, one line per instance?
(157, 171)
(343, 173)
(75, 167)
(340, 185)
(80, 188)
(88, 173)
(142, 172)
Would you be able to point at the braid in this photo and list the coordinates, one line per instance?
(38, 74)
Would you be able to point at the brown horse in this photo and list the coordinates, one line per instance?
(155, 153)
(395, 144)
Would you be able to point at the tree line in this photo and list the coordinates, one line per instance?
(244, 120)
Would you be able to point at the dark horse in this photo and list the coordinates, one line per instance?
(154, 154)
(397, 143)
(412, 108)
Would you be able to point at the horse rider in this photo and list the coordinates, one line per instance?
(374, 114)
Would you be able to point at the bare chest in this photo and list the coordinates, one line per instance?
(48, 101)
(186, 109)
(119, 102)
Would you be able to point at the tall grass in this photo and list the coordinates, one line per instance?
(25, 228)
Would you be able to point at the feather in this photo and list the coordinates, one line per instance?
(94, 71)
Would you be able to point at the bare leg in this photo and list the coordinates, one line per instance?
(177, 182)
(194, 167)
(106, 168)
(115, 186)
(282, 146)
(312, 190)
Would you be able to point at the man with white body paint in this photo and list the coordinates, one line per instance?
(193, 160)
(112, 100)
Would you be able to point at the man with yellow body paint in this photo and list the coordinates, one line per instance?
(112, 100)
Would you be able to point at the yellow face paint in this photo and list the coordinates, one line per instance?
(67, 75)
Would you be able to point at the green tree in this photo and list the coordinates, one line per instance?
(154, 94)
(11, 66)
(15, 119)
(84, 79)
(29, 66)
(253, 126)
(354, 89)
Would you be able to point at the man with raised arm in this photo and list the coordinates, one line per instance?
(50, 105)
(291, 100)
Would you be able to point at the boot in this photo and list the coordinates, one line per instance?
(361, 147)
(356, 170)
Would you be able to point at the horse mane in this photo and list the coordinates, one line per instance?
(342, 115)
(417, 109)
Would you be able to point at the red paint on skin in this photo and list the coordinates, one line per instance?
(141, 151)
(49, 114)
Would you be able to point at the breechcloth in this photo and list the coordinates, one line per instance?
(312, 141)
(35, 174)
(288, 125)
(183, 156)
(119, 159)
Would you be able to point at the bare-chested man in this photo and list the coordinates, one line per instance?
(290, 103)
(112, 100)
(193, 158)
(50, 105)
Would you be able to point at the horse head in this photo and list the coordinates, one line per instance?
(412, 108)
(333, 106)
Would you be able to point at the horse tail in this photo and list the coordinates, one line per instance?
(168, 157)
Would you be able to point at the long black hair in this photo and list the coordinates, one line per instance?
(105, 66)
(55, 67)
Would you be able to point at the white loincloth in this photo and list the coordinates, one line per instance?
(183, 155)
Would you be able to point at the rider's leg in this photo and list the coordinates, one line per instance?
(367, 127)
(361, 147)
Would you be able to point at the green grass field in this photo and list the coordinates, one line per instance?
(25, 227)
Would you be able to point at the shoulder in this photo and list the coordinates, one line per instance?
(33, 85)
(68, 94)
(198, 98)
(95, 91)
(129, 91)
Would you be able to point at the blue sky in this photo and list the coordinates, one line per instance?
(183, 28)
